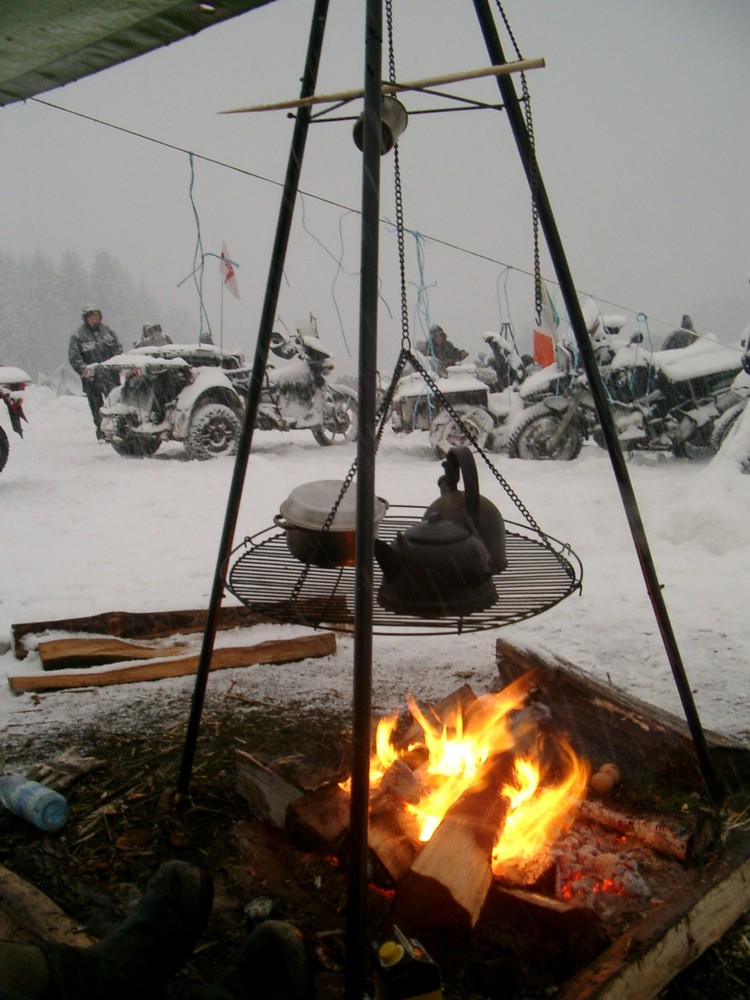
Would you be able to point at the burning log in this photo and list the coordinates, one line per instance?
(449, 881)
(666, 838)
(392, 837)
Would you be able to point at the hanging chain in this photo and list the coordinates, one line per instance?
(534, 172)
(398, 193)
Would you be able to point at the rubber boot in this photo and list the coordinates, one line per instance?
(139, 957)
(274, 963)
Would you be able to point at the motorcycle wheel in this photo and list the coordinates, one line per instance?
(214, 430)
(724, 425)
(137, 447)
(446, 432)
(532, 437)
(4, 448)
(342, 422)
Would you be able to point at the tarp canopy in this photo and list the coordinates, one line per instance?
(47, 43)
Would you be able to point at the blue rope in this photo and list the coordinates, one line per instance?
(198, 258)
(339, 262)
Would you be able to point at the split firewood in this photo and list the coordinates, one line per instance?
(667, 838)
(402, 783)
(267, 792)
(449, 881)
(455, 703)
(319, 820)
(555, 935)
(537, 872)
(272, 651)
(392, 836)
(95, 652)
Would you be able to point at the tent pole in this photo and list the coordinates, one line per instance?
(575, 314)
(276, 270)
(363, 598)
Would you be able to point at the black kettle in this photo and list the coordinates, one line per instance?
(443, 565)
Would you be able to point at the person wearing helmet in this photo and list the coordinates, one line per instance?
(153, 336)
(92, 343)
(446, 352)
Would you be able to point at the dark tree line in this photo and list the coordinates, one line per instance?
(41, 301)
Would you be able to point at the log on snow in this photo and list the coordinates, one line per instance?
(273, 651)
(607, 724)
(95, 652)
(136, 624)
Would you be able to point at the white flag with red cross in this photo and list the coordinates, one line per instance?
(228, 273)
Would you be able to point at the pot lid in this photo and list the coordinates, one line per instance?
(309, 505)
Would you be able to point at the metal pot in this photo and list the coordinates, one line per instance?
(303, 516)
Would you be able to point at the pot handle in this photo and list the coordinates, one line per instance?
(460, 462)
(281, 522)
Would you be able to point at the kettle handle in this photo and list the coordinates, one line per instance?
(460, 462)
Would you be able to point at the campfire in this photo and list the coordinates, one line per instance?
(488, 744)
(500, 824)
(478, 792)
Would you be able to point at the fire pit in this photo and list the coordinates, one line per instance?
(487, 832)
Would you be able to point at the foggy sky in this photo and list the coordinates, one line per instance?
(642, 137)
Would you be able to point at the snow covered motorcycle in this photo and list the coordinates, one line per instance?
(12, 383)
(176, 392)
(559, 413)
(666, 401)
(480, 397)
(297, 394)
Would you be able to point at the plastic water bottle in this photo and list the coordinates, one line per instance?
(42, 806)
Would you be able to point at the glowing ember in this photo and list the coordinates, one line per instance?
(548, 780)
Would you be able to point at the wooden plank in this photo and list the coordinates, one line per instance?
(136, 624)
(648, 956)
(95, 652)
(272, 651)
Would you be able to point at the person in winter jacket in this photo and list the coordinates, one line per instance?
(443, 349)
(153, 336)
(91, 343)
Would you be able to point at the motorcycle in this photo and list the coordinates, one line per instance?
(664, 401)
(559, 413)
(12, 383)
(479, 397)
(297, 394)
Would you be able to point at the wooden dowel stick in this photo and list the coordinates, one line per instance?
(394, 88)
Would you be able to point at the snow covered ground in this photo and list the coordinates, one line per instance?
(85, 531)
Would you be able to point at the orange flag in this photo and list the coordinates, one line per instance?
(545, 334)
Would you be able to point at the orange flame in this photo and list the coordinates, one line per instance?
(460, 744)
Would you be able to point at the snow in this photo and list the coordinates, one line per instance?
(85, 531)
